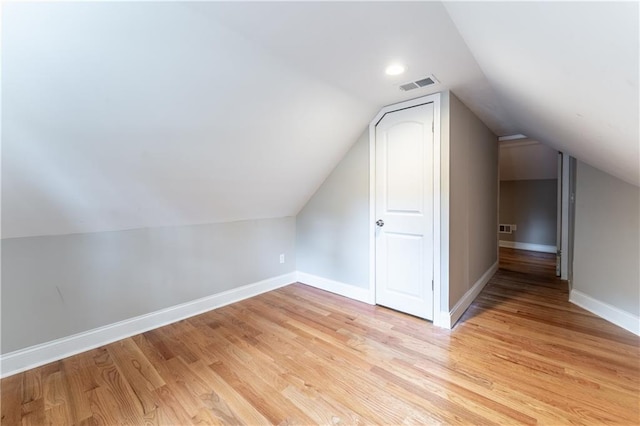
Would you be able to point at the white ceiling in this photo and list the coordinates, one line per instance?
(566, 71)
(349, 44)
(125, 115)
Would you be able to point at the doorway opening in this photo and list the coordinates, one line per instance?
(534, 210)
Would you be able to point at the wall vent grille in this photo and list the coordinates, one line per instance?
(506, 229)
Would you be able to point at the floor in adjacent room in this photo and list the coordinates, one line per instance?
(521, 354)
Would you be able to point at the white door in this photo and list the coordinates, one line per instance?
(404, 211)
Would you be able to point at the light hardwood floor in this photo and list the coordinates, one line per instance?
(520, 355)
(531, 262)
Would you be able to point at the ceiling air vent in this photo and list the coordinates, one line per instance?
(409, 86)
(423, 82)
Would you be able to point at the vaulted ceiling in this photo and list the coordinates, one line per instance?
(125, 115)
(567, 72)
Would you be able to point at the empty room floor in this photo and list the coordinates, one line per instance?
(531, 262)
(522, 354)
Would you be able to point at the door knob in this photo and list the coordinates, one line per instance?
(380, 223)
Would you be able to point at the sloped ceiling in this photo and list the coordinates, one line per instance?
(567, 72)
(126, 115)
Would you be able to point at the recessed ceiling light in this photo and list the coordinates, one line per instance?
(394, 69)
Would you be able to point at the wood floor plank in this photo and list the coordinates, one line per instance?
(33, 413)
(267, 400)
(175, 407)
(521, 354)
(11, 400)
(237, 404)
(78, 374)
(31, 385)
(139, 372)
(205, 417)
(105, 409)
(114, 391)
(214, 402)
(56, 398)
(445, 408)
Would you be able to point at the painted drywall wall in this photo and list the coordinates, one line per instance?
(57, 286)
(122, 115)
(531, 206)
(606, 263)
(473, 208)
(148, 114)
(528, 159)
(332, 232)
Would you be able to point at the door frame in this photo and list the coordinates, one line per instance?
(565, 246)
(560, 254)
(439, 255)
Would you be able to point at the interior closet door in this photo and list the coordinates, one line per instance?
(404, 211)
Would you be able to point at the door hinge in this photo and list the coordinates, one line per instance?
(431, 285)
(432, 127)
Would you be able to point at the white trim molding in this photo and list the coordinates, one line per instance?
(566, 218)
(351, 291)
(450, 318)
(512, 137)
(608, 312)
(35, 356)
(528, 246)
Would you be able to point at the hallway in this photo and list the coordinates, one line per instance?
(530, 262)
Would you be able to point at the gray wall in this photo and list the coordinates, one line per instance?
(607, 239)
(473, 202)
(532, 206)
(332, 229)
(60, 285)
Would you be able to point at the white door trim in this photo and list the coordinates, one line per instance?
(437, 272)
(564, 260)
(559, 222)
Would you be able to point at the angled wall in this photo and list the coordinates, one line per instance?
(606, 266)
(332, 229)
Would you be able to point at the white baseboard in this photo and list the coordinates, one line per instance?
(342, 289)
(608, 312)
(35, 356)
(449, 319)
(528, 246)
